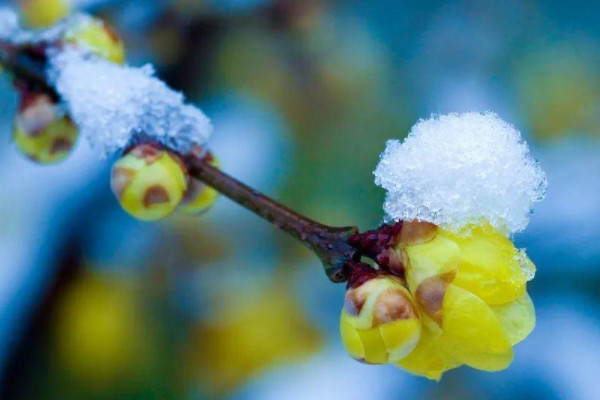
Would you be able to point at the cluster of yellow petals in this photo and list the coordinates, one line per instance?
(469, 293)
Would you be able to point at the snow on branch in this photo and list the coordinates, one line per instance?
(112, 105)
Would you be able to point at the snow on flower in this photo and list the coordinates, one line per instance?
(460, 169)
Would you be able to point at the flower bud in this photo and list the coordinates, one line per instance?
(199, 197)
(40, 130)
(149, 182)
(98, 37)
(380, 322)
(44, 13)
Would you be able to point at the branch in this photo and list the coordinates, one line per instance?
(330, 244)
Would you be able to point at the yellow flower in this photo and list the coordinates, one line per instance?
(200, 197)
(98, 334)
(44, 13)
(248, 334)
(469, 289)
(149, 182)
(98, 37)
(41, 132)
(380, 322)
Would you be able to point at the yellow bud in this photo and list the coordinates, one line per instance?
(41, 132)
(149, 182)
(45, 13)
(99, 38)
(380, 322)
(199, 197)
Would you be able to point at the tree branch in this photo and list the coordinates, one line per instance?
(330, 244)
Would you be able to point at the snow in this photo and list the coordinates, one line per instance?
(114, 106)
(459, 169)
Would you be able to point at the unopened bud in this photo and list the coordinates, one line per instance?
(41, 131)
(149, 182)
(380, 322)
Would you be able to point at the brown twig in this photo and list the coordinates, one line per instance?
(330, 244)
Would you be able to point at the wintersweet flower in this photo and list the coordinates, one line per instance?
(457, 187)
(470, 289)
(463, 302)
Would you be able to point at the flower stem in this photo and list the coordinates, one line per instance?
(330, 244)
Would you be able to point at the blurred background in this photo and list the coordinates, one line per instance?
(303, 95)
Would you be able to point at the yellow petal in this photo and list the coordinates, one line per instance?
(429, 358)
(473, 331)
(351, 338)
(400, 337)
(436, 257)
(517, 318)
(375, 351)
(489, 265)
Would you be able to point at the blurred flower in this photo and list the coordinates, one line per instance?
(248, 334)
(199, 197)
(41, 130)
(99, 331)
(559, 90)
(44, 13)
(98, 37)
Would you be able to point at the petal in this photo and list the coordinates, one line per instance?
(429, 359)
(517, 318)
(436, 257)
(375, 351)
(489, 265)
(400, 337)
(473, 331)
(351, 339)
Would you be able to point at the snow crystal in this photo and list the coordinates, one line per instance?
(458, 169)
(114, 105)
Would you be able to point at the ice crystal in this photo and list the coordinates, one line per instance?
(460, 169)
